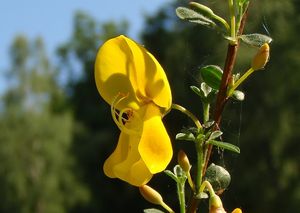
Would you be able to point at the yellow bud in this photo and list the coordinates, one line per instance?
(151, 195)
(183, 161)
(261, 58)
(237, 210)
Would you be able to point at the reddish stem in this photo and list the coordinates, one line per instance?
(227, 75)
(221, 101)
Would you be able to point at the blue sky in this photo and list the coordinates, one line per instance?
(52, 19)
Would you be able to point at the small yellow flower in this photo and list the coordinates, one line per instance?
(131, 80)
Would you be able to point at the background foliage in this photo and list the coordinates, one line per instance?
(55, 136)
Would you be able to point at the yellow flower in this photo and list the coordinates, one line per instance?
(131, 80)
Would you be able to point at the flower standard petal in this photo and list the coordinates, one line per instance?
(123, 66)
(113, 68)
(151, 80)
(155, 145)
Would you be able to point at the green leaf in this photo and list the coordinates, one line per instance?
(171, 175)
(205, 93)
(215, 135)
(212, 76)
(193, 16)
(178, 171)
(218, 177)
(208, 13)
(255, 39)
(208, 124)
(197, 91)
(225, 145)
(152, 211)
(202, 9)
(205, 89)
(187, 136)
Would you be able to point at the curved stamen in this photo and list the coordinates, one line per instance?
(113, 111)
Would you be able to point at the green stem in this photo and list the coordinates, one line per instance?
(232, 19)
(239, 81)
(189, 114)
(166, 207)
(206, 107)
(181, 195)
(200, 164)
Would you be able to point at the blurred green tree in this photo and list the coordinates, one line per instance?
(37, 172)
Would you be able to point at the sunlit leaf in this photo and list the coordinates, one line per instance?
(212, 76)
(171, 175)
(208, 124)
(215, 135)
(197, 91)
(193, 16)
(218, 177)
(225, 145)
(178, 171)
(255, 39)
(205, 89)
(185, 136)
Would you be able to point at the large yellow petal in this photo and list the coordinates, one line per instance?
(119, 155)
(113, 72)
(155, 145)
(125, 162)
(151, 80)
